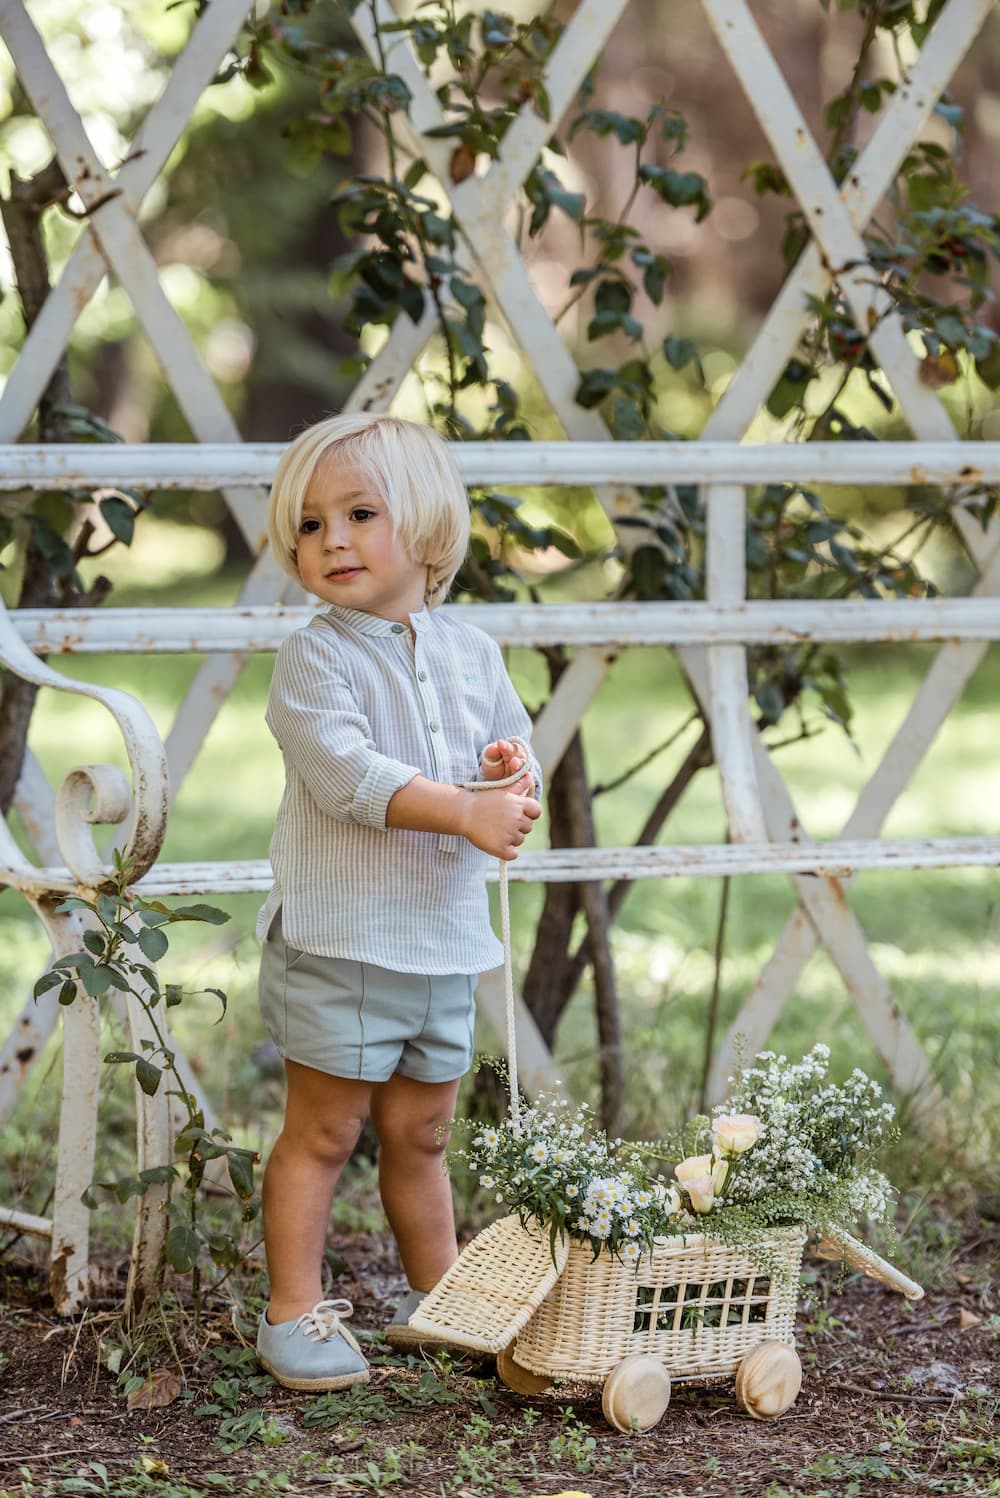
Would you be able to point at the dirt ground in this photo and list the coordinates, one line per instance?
(896, 1399)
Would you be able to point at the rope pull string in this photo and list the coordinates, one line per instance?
(508, 966)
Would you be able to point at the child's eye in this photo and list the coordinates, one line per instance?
(308, 526)
(362, 513)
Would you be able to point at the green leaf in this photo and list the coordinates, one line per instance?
(625, 418)
(155, 917)
(46, 981)
(211, 914)
(679, 189)
(594, 386)
(789, 390)
(153, 942)
(546, 192)
(116, 1058)
(119, 516)
(67, 993)
(221, 996)
(109, 908)
(182, 1248)
(926, 190)
(74, 903)
(147, 1075)
(679, 351)
(241, 1173)
(605, 122)
(95, 978)
(770, 700)
(94, 942)
(158, 1175)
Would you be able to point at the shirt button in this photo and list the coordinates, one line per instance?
(421, 675)
(398, 629)
(433, 727)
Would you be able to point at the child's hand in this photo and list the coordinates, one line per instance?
(499, 821)
(501, 759)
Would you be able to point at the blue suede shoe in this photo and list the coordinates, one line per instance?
(314, 1352)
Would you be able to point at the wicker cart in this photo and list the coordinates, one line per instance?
(692, 1309)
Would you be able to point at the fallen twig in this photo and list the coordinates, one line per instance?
(896, 1398)
(20, 1414)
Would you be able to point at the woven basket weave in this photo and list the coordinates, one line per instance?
(493, 1287)
(696, 1304)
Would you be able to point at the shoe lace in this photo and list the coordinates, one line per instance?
(323, 1320)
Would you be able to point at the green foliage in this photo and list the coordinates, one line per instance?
(123, 929)
(484, 70)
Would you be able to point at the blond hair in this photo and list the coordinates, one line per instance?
(409, 465)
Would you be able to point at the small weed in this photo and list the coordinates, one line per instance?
(893, 1427)
(825, 1324)
(241, 1380)
(573, 1445)
(394, 1464)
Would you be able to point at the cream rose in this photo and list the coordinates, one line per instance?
(695, 1175)
(732, 1133)
(702, 1193)
(693, 1168)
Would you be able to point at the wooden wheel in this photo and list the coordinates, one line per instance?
(768, 1380)
(636, 1393)
(521, 1380)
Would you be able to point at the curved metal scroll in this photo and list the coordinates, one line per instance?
(90, 795)
(112, 800)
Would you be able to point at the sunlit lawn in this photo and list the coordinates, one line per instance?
(934, 935)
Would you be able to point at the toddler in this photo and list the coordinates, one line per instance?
(378, 922)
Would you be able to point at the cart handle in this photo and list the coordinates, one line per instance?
(841, 1245)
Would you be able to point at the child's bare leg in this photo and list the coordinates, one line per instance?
(408, 1117)
(323, 1117)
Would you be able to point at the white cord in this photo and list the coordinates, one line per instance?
(508, 966)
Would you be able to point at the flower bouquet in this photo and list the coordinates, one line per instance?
(620, 1261)
(788, 1149)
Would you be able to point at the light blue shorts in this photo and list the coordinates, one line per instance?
(357, 1020)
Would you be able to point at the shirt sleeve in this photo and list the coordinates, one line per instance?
(316, 720)
(510, 716)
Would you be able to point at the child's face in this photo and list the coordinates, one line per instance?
(347, 551)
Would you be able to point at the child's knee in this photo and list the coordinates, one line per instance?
(401, 1135)
(329, 1140)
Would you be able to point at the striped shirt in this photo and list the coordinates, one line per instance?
(359, 706)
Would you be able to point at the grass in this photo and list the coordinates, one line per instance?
(935, 935)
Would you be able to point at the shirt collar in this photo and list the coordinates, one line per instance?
(372, 624)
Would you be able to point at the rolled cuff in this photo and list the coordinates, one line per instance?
(381, 782)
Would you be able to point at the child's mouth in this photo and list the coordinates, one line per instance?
(343, 574)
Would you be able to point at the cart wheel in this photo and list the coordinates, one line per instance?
(768, 1380)
(521, 1380)
(636, 1393)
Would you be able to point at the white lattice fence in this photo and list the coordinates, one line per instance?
(765, 829)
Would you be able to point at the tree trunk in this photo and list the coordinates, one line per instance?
(22, 215)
